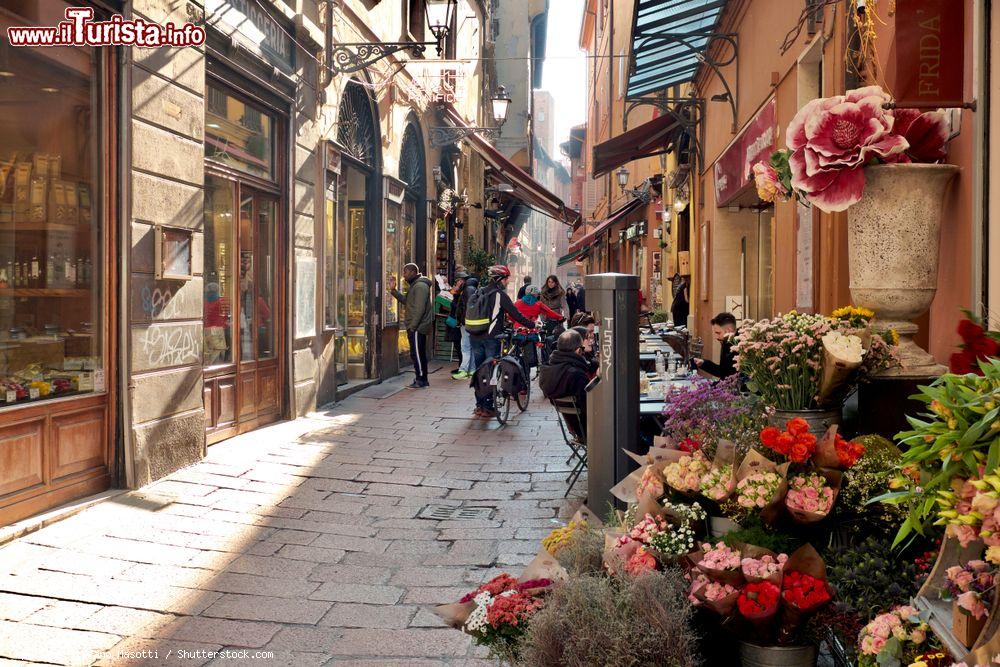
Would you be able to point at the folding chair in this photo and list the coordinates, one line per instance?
(571, 424)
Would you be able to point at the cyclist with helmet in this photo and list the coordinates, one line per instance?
(486, 346)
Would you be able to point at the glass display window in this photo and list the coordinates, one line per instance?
(52, 311)
(238, 135)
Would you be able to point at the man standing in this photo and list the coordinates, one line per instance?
(527, 281)
(723, 329)
(419, 318)
(494, 304)
(464, 283)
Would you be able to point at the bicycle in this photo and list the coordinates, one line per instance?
(506, 383)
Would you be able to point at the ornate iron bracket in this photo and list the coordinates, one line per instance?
(443, 136)
(686, 112)
(354, 57)
(720, 49)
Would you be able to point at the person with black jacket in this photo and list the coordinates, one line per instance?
(419, 318)
(723, 330)
(486, 346)
(456, 319)
(567, 373)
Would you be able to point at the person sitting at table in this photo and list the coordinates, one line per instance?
(589, 353)
(723, 330)
(567, 373)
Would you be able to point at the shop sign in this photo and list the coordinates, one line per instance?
(755, 143)
(930, 53)
(260, 31)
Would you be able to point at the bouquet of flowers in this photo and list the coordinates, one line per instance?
(685, 473)
(972, 512)
(718, 483)
(758, 490)
(895, 637)
(978, 344)
(804, 589)
(795, 443)
(972, 587)
(834, 451)
(701, 415)
(719, 563)
(559, 538)
(718, 596)
(758, 602)
(810, 497)
(662, 537)
(499, 621)
(843, 354)
(762, 566)
(804, 592)
(651, 484)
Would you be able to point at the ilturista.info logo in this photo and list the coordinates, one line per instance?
(80, 29)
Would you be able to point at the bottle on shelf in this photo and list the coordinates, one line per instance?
(79, 272)
(35, 274)
(18, 275)
(4, 279)
(50, 271)
(10, 273)
(660, 366)
(88, 272)
(70, 271)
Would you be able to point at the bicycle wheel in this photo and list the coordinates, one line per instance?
(524, 398)
(501, 404)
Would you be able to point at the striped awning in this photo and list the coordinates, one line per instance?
(659, 61)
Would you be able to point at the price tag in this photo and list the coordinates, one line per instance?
(33, 393)
(98, 380)
(11, 396)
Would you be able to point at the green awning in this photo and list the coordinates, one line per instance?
(569, 257)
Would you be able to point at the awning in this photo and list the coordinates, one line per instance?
(669, 38)
(526, 188)
(617, 215)
(569, 257)
(652, 138)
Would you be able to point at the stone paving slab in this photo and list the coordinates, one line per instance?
(302, 541)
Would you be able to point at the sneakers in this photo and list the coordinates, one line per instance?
(461, 375)
(419, 384)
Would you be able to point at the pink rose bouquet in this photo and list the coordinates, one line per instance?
(757, 490)
(685, 474)
(905, 626)
(809, 493)
(764, 568)
(718, 483)
(832, 139)
(718, 557)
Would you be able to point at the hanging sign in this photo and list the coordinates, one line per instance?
(755, 143)
(930, 53)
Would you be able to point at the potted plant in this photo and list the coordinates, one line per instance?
(852, 153)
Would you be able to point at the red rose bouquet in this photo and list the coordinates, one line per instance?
(804, 592)
(835, 451)
(758, 602)
(977, 344)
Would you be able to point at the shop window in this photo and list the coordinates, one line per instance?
(238, 136)
(393, 267)
(330, 257)
(51, 300)
(219, 271)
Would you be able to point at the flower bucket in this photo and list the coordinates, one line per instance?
(965, 626)
(752, 655)
(819, 420)
(720, 525)
(893, 243)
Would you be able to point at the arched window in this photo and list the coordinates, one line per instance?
(356, 125)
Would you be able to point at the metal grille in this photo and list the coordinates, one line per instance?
(356, 124)
(455, 513)
(411, 160)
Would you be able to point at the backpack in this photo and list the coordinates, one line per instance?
(480, 312)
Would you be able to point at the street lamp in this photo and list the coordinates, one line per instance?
(622, 175)
(439, 17)
(501, 105)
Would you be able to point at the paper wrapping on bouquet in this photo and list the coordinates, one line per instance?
(833, 478)
(615, 556)
(625, 489)
(584, 514)
(671, 456)
(650, 489)
(762, 621)
(825, 455)
(725, 454)
(805, 560)
(836, 371)
(755, 552)
(723, 606)
(755, 462)
(543, 566)
(731, 577)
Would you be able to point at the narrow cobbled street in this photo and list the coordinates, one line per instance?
(310, 542)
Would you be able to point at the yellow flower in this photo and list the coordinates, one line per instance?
(993, 555)
(895, 336)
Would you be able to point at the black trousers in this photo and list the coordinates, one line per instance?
(418, 354)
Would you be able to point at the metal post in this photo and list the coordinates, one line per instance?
(613, 405)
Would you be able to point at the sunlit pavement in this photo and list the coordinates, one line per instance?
(302, 541)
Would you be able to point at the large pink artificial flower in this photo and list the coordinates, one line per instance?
(926, 134)
(833, 138)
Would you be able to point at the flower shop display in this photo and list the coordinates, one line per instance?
(810, 497)
(686, 472)
(795, 443)
(972, 587)
(791, 370)
(703, 414)
(764, 566)
(896, 637)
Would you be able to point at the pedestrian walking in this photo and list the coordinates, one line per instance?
(524, 286)
(466, 284)
(418, 319)
(554, 296)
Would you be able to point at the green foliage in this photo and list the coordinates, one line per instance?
(757, 534)
(614, 622)
(477, 260)
(959, 433)
(659, 316)
(871, 577)
(867, 479)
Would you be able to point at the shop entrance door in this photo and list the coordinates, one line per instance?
(242, 306)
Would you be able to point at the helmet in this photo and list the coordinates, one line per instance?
(532, 290)
(499, 271)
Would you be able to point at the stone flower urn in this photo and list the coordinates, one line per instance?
(893, 240)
